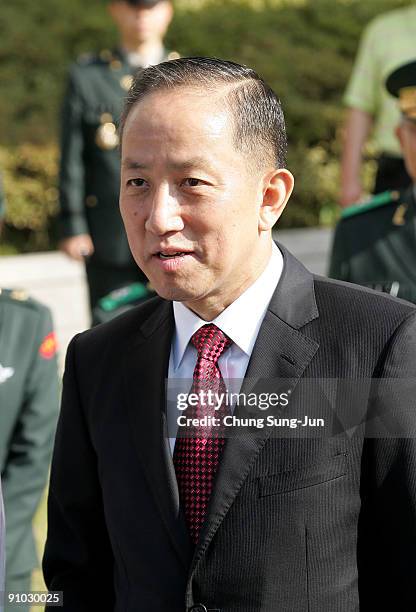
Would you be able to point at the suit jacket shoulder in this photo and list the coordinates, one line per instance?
(366, 310)
(347, 297)
(138, 321)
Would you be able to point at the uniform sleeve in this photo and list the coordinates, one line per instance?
(339, 259)
(387, 526)
(71, 177)
(78, 556)
(363, 87)
(30, 447)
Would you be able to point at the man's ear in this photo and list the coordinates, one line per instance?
(399, 134)
(169, 11)
(112, 10)
(277, 188)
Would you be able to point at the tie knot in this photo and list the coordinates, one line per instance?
(210, 342)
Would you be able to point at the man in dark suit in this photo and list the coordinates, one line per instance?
(146, 514)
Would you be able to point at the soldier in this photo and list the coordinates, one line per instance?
(387, 43)
(28, 413)
(91, 226)
(375, 242)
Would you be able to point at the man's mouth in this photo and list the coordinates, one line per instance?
(162, 255)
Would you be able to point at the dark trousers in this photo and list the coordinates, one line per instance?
(103, 278)
(391, 174)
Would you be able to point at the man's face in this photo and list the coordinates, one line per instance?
(406, 133)
(192, 204)
(138, 24)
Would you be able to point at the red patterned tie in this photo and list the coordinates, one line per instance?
(197, 455)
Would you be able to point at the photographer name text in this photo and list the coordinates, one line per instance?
(210, 422)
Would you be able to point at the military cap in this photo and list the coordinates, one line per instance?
(376, 201)
(401, 83)
(120, 301)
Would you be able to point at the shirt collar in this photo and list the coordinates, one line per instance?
(241, 320)
(135, 60)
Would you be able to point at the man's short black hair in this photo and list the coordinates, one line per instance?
(258, 117)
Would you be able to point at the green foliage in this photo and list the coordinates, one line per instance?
(304, 49)
(39, 40)
(29, 174)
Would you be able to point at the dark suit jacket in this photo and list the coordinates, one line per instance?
(295, 524)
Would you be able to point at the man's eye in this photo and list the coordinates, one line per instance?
(137, 182)
(192, 182)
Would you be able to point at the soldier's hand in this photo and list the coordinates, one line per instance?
(351, 193)
(77, 247)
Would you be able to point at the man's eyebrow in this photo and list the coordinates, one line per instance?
(131, 164)
(195, 162)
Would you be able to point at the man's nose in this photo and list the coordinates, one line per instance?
(164, 213)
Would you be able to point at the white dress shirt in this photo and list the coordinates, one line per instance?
(240, 321)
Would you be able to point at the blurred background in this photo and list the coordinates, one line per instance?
(304, 49)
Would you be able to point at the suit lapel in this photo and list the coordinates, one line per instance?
(146, 368)
(281, 352)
